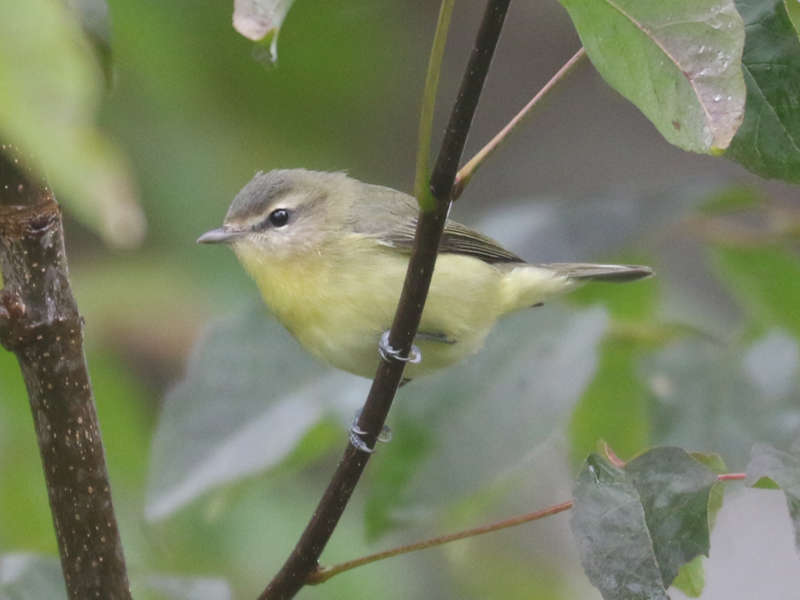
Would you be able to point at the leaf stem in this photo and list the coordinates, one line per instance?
(421, 180)
(303, 559)
(468, 170)
(325, 573)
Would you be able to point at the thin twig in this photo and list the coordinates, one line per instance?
(303, 559)
(468, 170)
(732, 477)
(326, 573)
(41, 325)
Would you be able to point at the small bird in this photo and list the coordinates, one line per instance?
(329, 254)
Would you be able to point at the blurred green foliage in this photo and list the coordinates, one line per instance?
(679, 359)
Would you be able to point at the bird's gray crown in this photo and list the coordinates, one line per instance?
(265, 189)
(260, 192)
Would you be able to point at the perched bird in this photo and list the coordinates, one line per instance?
(329, 254)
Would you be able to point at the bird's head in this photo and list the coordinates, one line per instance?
(282, 213)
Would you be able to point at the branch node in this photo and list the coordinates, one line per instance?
(12, 313)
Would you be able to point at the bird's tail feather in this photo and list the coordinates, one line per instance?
(594, 272)
(528, 285)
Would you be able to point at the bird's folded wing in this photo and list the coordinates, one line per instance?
(456, 239)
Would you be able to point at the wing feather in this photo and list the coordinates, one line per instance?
(399, 225)
(456, 239)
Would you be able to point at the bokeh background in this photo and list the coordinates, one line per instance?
(221, 434)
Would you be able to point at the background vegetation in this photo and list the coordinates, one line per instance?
(704, 356)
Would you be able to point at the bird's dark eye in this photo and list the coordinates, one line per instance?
(279, 217)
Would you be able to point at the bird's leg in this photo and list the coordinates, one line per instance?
(388, 353)
(356, 432)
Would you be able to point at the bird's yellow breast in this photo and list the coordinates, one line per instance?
(338, 301)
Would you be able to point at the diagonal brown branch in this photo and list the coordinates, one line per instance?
(325, 573)
(322, 574)
(302, 562)
(39, 322)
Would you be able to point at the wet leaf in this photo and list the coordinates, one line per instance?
(610, 529)
(50, 92)
(261, 20)
(674, 491)
(782, 468)
(637, 526)
(768, 142)
(249, 396)
(678, 62)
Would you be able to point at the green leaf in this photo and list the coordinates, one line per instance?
(731, 199)
(768, 142)
(637, 526)
(678, 62)
(261, 20)
(793, 11)
(614, 406)
(51, 88)
(388, 489)
(717, 495)
(712, 460)
(609, 525)
(783, 468)
(249, 396)
(96, 23)
(691, 578)
(674, 490)
(766, 281)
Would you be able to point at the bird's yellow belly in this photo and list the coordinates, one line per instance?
(340, 315)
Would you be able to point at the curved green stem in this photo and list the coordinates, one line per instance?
(421, 188)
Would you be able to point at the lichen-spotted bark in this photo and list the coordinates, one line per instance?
(40, 323)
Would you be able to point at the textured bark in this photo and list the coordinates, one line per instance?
(40, 323)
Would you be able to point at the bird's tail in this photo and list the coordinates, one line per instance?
(529, 285)
(592, 272)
